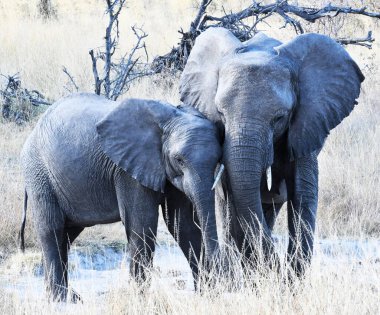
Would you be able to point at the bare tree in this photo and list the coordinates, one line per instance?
(238, 23)
(117, 75)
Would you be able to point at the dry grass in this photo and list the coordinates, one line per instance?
(349, 167)
(350, 288)
(11, 186)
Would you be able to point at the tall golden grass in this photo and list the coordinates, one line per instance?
(349, 203)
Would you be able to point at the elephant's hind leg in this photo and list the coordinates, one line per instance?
(70, 234)
(50, 224)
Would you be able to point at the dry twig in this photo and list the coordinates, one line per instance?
(71, 79)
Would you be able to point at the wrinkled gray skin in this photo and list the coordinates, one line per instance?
(276, 104)
(94, 161)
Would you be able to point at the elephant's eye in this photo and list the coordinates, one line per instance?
(180, 161)
(278, 118)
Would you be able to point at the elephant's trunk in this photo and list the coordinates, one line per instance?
(248, 154)
(204, 201)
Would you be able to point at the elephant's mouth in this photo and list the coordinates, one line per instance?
(278, 194)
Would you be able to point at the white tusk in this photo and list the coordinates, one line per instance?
(269, 178)
(218, 176)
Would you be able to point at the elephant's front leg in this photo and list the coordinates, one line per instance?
(141, 239)
(138, 208)
(141, 228)
(183, 224)
(302, 186)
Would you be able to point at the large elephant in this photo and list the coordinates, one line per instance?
(94, 161)
(276, 104)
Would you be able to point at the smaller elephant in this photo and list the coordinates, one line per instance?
(94, 161)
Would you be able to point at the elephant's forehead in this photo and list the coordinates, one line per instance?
(193, 140)
(192, 129)
(255, 63)
(256, 77)
(192, 125)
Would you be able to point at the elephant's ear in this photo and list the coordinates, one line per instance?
(199, 80)
(130, 135)
(328, 86)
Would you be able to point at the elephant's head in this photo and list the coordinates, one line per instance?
(260, 91)
(155, 142)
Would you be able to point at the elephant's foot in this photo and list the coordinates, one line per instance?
(75, 297)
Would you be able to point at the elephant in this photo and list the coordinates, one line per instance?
(93, 161)
(275, 103)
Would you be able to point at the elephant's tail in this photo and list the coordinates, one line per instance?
(22, 230)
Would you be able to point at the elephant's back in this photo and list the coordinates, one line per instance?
(62, 157)
(68, 124)
(71, 119)
(83, 108)
(68, 131)
(65, 137)
(64, 150)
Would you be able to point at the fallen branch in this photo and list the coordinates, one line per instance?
(235, 22)
(14, 90)
(14, 94)
(282, 7)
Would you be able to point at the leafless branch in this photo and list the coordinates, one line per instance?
(98, 82)
(358, 41)
(283, 8)
(111, 41)
(71, 78)
(127, 67)
(200, 14)
(177, 57)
